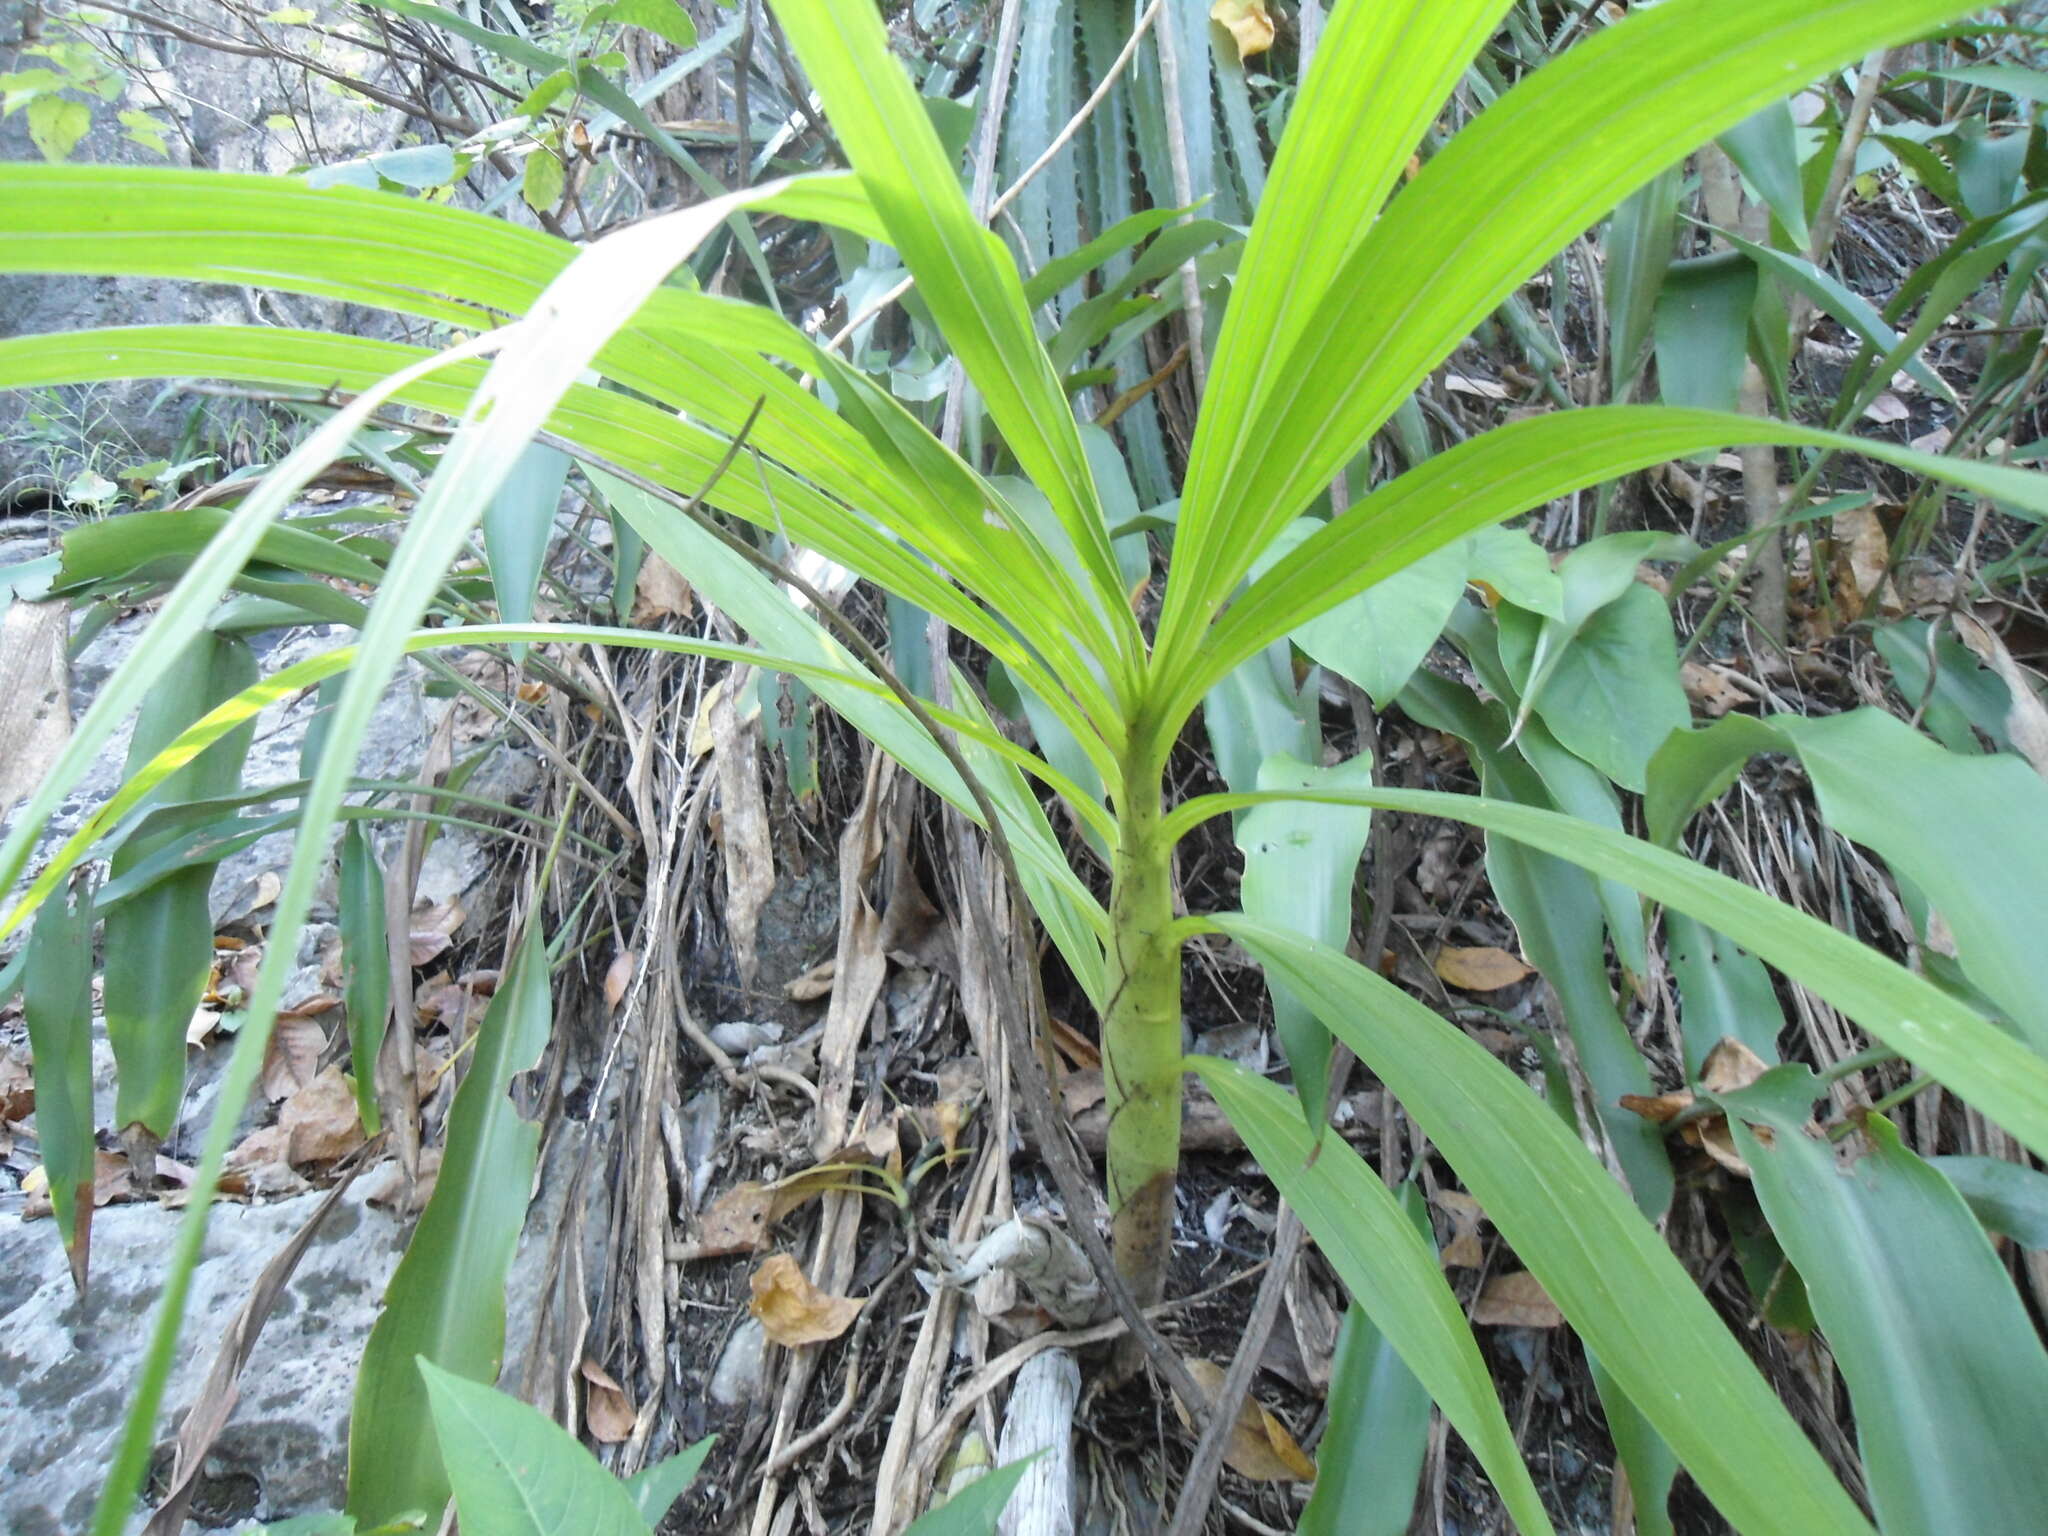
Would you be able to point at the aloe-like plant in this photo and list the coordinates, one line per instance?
(1348, 293)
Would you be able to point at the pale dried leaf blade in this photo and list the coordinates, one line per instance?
(794, 1312)
(216, 1400)
(1730, 1066)
(1260, 1446)
(1484, 969)
(320, 1122)
(2026, 718)
(35, 706)
(743, 832)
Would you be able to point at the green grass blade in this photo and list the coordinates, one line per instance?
(965, 277)
(1541, 165)
(446, 1299)
(1390, 1269)
(1507, 470)
(1944, 1367)
(191, 603)
(576, 315)
(1998, 1075)
(1607, 1268)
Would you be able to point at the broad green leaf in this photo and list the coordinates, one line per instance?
(653, 1489)
(1724, 992)
(446, 1300)
(1259, 711)
(1944, 1367)
(543, 180)
(975, 1509)
(56, 124)
(1765, 148)
(516, 1472)
(1379, 637)
(1959, 698)
(1388, 1266)
(1300, 865)
(1941, 820)
(1952, 1042)
(2010, 79)
(1703, 330)
(1643, 1456)
(1611, 692)
(366, 964)
(159, 946)
(1607, 1268)
(664, 18)
(56, 1004)
(1369, 1460)
(161, 545)
(2006, 1197)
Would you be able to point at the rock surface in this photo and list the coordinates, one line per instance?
(66, 1368)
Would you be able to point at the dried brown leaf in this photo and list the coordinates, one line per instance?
(736, 1223)
(17, 1085)
(1260, 1446)
(1659, 1108)
(794, 1312)
(617, 977)
(606, 1408)
(1484, 969)
(1516, 1300)
(1730, 1066)
(660, 592)
(291, 1060)
(1464, 1250)
(814, 983)
(320, 1121)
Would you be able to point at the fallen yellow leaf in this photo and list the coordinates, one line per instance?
(1260, 1447)
(792, 1310)
(1247, 21)
(1485, 969)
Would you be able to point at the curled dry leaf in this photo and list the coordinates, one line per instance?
(292, 1058)
(1709, 688)
(1260, 1447)
(17, 1085)
(814, 983)
(1730, 1066)
(1485, 969)
(606, 1408)
(660, 592)
(1516, 1300)
(617, 977)
(791, 1310)
(1464, 1250)
(320, 1122)
(1247, 21)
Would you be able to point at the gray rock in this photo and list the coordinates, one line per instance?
(66, 1369)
